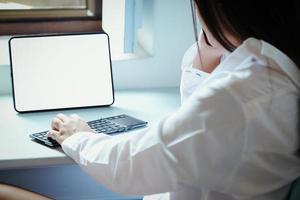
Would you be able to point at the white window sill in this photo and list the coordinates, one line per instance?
(139, 54)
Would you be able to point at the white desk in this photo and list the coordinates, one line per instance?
(17, 151)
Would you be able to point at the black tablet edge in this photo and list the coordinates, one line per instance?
(59, 34)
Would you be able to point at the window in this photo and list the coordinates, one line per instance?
(49, 16)
(121, 19)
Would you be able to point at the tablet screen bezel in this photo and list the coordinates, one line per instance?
(21, 108)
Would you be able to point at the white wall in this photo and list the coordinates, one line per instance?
(168, 24)
(170, 27)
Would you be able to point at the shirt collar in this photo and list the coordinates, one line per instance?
(258, 51)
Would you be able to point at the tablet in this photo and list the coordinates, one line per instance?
(51, 72)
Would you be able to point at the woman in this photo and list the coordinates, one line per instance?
(235, 135)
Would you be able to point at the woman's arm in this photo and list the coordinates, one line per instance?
(190, 146)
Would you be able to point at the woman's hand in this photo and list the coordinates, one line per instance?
(63, 126)
(209, 57)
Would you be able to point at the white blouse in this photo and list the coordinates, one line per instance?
(234, 137)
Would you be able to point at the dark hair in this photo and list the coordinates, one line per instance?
(275, 22)
(272, 21)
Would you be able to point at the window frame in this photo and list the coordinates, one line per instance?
(77, 20)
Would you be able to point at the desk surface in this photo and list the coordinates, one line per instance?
(18, 151)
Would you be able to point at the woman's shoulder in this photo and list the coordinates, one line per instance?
(254, 82)
(252, 71)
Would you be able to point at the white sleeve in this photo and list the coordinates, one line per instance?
(197, 145)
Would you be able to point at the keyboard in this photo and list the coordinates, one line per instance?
(109, 125)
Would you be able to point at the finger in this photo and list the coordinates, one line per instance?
(53, 134)
(75, 116)
(62, 117)
(56, 123)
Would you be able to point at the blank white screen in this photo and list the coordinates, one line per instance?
(66, 71)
